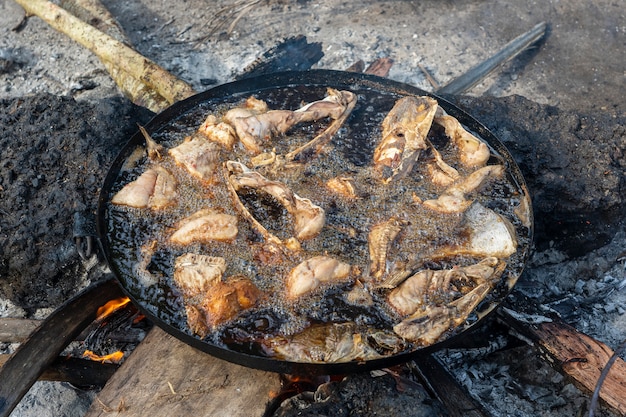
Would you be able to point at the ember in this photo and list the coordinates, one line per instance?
(115, 357)
(292, 385)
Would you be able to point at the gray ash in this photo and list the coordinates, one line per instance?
(55, 153)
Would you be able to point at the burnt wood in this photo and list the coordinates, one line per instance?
(292, 54)
(16, 330)
(78, 372)
(583, 358)
(46, 343)
(380, 67)
(577, 355)
(446, 389)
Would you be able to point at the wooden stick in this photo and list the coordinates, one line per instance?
(580, 356)
(380, 67)
(429, 77)
(512, 49)
(126, 60)
(446, 389)
(13, 330)
(79, 372)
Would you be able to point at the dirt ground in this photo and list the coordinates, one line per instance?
(579, 66)
(572, 84)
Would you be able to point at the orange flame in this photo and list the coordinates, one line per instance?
(114, 357)
(110, 307)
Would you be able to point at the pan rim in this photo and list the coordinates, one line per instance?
(318, 78)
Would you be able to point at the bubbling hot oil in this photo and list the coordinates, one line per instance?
(344, 236)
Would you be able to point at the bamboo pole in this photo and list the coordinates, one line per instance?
(94, 13)
(127, 64)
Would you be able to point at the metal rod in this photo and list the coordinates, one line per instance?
(482, 70)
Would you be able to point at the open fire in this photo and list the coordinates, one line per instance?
(111, 307)
(588, 298)
(102, 314)
(114, 333)
(115, 357)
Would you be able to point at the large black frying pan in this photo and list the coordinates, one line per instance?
(376, 98)
(284, 90)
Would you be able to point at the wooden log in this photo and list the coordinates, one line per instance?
(583, 358)
(576, 354)
(16, 330)
(128, 66)
(166, 377)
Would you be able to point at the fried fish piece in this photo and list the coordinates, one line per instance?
(222, 302)
(195, 273)
(310, 274)
(485, 233)
(327, 343)
(426, 320)
(440, 172)
(154, 189)
(344, 187)
(404, 135)
(473, 152)
(309, 218)
(426, 285)
(426, 326)
(154, 149)
(226, 299)
(199, 156)
(218, 132)
(209, 300)
(380, 240)
(205, 226)
(454, 198)
(255, 124)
